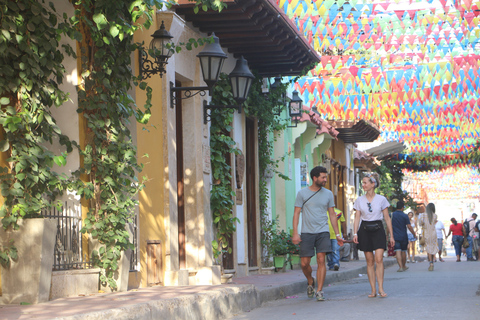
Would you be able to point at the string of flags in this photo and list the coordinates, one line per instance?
(409, 66)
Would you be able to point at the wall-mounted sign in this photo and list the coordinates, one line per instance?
(206, 158)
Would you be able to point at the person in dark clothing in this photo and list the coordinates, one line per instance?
(400, 223)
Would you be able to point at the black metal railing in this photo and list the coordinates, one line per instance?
(68, 251)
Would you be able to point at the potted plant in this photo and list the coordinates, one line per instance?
(279, 249)
(293, 253)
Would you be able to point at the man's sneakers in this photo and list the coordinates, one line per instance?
(336, 267)
(319, 296)
(311, 290)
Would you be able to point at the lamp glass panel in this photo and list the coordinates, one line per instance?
(211, 67)
(160, 44)
(295, 108)
(239, 87)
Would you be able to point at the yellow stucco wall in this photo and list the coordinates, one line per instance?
(150, 144)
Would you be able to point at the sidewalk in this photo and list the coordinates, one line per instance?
(185, 302)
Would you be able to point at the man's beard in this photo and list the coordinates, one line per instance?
(320, 184)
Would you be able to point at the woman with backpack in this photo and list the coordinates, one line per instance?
(468, 232)
(457, 230)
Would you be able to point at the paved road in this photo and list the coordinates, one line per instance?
(449, 292)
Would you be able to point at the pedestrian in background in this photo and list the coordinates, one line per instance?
(439, 227)
(477, 230)
(400, 223)
(469, 232)
(333, 258)
(427, 221)
(370, 235)
(411, 238)
(456, 229)
(315, 203)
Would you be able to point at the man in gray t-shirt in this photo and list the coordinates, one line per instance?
(315, 202)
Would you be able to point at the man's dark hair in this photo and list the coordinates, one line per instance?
(400, 204)
(315, 172)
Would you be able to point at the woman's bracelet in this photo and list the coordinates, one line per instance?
(354, 234)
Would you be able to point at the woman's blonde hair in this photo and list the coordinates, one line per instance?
(430, 212)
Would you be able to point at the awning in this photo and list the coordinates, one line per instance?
(386, 149)
(257, 30)
(353, 131)
(364, 161)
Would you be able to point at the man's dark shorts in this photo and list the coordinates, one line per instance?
(311, 242)
(401, 245)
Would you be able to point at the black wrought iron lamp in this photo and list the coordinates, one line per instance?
(281, 102)
(295, 108)
(161, 49)
(211, 62)
(241, 79)
(211, 59)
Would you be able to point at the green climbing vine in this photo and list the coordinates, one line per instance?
(30, 73)
(31, 70)
(222, 146)
(391, 178)
(267, 108)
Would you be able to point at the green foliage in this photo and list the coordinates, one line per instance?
(222, 146)
(30, 73)
(292, 248)
(205, 5)
(279, 244)
(391, 178)
(109, 155)
(267, 109)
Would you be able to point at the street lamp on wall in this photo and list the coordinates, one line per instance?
(295, 108)
(161, 48)
(282, 99)
(211, 59)
(241, 79)
(211, 62)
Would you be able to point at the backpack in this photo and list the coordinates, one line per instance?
(466, 227)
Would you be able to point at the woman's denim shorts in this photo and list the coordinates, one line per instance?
(411, 237)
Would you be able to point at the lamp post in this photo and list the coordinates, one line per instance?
(295, 108)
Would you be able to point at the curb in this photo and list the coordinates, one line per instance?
(223, 302)
(214, 304)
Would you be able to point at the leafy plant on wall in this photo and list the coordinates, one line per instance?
(30, 73)
(222, 146)
(267, 109)
(391, 178)
(31, 70)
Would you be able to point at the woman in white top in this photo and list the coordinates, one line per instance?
(370, 236)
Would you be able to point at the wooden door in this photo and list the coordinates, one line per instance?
(154, 263)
